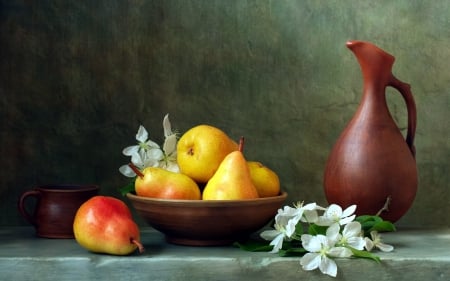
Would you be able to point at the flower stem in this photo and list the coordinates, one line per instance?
(136, 170)
(385, 207)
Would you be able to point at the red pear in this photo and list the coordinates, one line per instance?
(104, 224)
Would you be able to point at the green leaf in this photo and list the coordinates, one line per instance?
(367, 218)
(367, 226)
(299, 229)
(287, 244)
(315, 229)
(370, 223)
(365, 254)
(292, 252)
(254, 246)
(362, 219)
(377, 219)
(129, 188)
(383, 226)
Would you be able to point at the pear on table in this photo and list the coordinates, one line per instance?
(232, 180)
(104, 224)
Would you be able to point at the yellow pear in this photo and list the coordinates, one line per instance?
(160, 183)
(231, 181)
(265, 180)
(201, 149)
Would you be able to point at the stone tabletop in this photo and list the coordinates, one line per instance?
(418, 255)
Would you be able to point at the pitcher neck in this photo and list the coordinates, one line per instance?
(376, 64)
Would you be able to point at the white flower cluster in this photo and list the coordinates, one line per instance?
(148, 153)
(343, 234)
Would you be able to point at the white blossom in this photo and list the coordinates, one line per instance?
(284, 229)
(148, 153)
(376, 242)
(351, 236)
(321, 250)
(300, 212)
(334, 214)
(169, 160)
(343, 236)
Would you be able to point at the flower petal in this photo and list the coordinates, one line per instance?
(310, 207)
(277, 243)
(130, 150)
(142, 134)
(310, 261)
(369, 244)
(385, 247)
(170, 144)
(349, 211)
(137, 160)
(310, 216)
(328, 266)
(290, 227)
(340, 252)
(269, 234)
(333, 234)
(127, 171)
(356, 242)
(324, 221)
(334, 212)
(167, 127)
(347, 220)
(287, 211)
(151, 145)
(282, 220)
(312, 243)
(173, 167)
(352, 229)
(155, 154)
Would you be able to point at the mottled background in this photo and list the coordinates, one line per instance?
(77, 78)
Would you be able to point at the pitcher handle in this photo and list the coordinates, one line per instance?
(405, 90)
(29, 217)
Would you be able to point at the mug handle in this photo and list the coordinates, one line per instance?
(29, 217)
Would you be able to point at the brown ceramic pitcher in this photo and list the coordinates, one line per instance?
(55, 208)
(372, 164)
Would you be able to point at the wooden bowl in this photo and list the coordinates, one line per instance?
(207, 222)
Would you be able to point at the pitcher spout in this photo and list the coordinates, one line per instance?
(373, 60)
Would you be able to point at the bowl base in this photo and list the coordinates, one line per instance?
(198, 242)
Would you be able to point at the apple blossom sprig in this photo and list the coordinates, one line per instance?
(320, 234)
(147, 153)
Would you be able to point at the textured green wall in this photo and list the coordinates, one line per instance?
(78, 77)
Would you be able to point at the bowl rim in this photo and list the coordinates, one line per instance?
(207, 203)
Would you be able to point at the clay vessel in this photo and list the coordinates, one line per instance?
(54, 208)
(372, 164)
(207, 222)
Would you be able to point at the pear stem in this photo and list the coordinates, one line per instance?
(138, 244)
(241, 144)
(136, 170)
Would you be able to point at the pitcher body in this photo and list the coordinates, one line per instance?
(372, 164)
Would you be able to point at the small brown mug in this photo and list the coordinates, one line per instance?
(55, 208)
